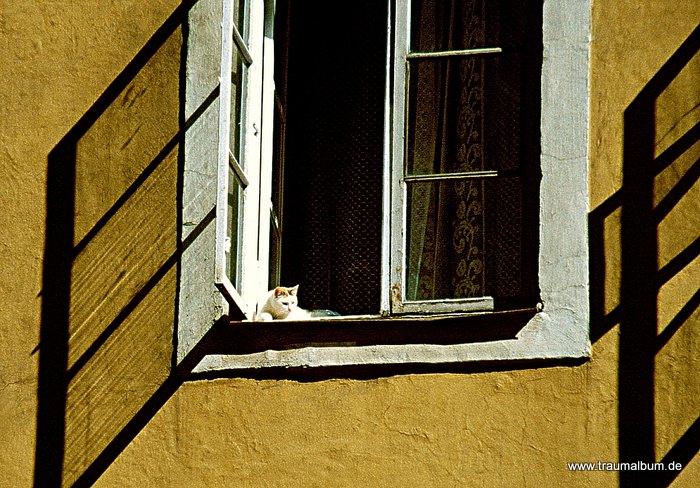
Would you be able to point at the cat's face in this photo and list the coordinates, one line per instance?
(285, 300)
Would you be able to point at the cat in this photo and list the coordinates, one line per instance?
(281, 303)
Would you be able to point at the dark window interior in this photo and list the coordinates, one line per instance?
(334, 142)
(330, 78)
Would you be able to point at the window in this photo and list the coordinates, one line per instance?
(251, 122)
(231, 223)
(236, 161)
(224, 165)
(465, 176)
(419, 165)
(420, 136)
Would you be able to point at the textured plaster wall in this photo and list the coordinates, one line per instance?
(516, 428)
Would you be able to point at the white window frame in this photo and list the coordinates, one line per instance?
(561, 329)
(395, 178)
(254, 171)
(206, 295)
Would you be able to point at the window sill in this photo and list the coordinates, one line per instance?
(523, 334)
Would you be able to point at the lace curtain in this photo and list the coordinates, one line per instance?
(446, 130)
(465, 236)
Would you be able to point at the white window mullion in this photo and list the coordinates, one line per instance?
(386, 262)
(266, 209)
(398, 190)
(245, 172)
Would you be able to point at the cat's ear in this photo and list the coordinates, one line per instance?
(279, 291)
(293, 290)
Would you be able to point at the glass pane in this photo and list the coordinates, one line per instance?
(464, 114)
(278, 145)
(233, 231)
(275, 254)
(465, 24)
(465, 238)
(239, 18)
(237, 78)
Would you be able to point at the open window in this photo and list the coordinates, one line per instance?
(465, 171)
(399, 160)
(225, 165)
(412, 171)
(250, 158)
(236, 155)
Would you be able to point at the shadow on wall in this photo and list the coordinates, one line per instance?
(109, 304)
(658, 309)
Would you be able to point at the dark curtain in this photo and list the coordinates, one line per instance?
(465, 238)
(333, 173)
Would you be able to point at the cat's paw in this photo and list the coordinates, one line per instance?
(264, 317)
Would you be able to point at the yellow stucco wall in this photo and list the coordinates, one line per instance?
(66, 101)
(75, 137)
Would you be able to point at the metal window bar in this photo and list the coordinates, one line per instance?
(280, 109)
(443, 54)
(460, 175)
(462, 52)
(275, 221)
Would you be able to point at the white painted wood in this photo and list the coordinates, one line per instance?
(252, 152)
(248, 169)
(385, 269)
(238, 170)
(222, 243)
(242, 47)
(398, 188)
(266, 157)
(447, 305)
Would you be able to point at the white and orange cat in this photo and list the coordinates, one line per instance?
(281, 303)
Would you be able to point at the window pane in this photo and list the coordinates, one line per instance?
(275, 252)
(464, 114)
(233, 231)
(237, 76)
(466, 24)
(466, 238)
(239, 18)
